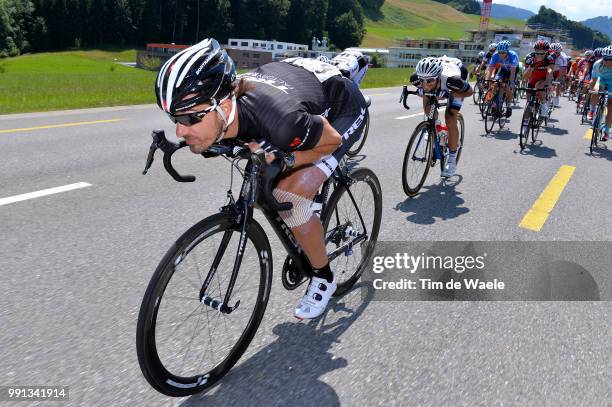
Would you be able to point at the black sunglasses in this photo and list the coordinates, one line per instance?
(190, 119)
(429, 81)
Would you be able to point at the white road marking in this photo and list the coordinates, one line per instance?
(43, 192)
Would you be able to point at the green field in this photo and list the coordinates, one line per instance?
(81, 79)
(386, 77)
(400, 19)
(72, 80)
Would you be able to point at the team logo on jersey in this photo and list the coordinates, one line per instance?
(296, 142)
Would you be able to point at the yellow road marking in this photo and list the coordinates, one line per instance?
(588, 134)
(535, 217)
(55, 126)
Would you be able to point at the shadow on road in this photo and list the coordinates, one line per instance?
(538, 149)
(501, 134)
(601, 151)
(555, 131)
(287, 372)
(436, 201)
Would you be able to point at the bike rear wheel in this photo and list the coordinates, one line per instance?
(356, 148)
(351, 221)
(417, 159)
(173, 357)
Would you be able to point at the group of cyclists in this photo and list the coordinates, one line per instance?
(549, 71)
(306, 113)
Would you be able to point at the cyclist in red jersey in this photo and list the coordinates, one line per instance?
(539, 70)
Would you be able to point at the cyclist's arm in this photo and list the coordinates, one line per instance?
(459, 87)
(330, 140)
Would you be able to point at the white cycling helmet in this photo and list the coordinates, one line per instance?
(429, 67)
(588, 53)
(555, 46)
(325, 59)
(606, 53)
(352, 64)
(492, 46)
(481, 54)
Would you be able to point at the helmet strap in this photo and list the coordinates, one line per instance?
(228, 121)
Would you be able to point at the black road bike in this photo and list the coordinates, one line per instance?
(425, 147)
(532, 120)
(494, 108)
(599, 119)
(209, 293)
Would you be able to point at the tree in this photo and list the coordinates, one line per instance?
(346, 31)
(16, 21)
(306, 19)
(345, 23)
(583, 36)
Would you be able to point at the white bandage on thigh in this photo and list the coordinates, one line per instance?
(301, 211)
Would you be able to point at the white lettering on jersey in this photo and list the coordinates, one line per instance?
(268, 80)
(322, 70)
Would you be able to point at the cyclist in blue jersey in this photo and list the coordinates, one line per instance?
(602, 79)
(505, 64)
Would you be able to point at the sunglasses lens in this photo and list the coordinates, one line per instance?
(185, 119)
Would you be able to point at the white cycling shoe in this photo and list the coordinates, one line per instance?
(314, 302)
(451, 166)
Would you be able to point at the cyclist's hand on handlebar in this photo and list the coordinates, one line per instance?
(272, 153)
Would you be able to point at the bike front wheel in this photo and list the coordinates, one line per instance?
(525, 127)
(351, 221)
(417, 159)
(185, 346)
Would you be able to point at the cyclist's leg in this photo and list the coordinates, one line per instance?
(450, 116)
(305, 182)
(606, 134)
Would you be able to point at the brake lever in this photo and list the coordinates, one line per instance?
(152, 150)
(168, 147)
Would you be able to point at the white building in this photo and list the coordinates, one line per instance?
(383, 54)
(414, 50)
(277, 48)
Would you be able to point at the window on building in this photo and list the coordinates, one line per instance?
(244, 44)
(256, 44)
(279, 46)
(255, 55)
(234, 43)
(246, 54)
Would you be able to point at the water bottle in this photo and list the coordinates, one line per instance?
(442, 131)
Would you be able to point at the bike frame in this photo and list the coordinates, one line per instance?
(243, 208)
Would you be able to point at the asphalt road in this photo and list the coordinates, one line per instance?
(75, 265)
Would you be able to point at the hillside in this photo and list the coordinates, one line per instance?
(603, 24)
(506, 11)
(421, 19)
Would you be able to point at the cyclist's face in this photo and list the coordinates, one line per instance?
(429, 84)
(199, 136)
(608, 63)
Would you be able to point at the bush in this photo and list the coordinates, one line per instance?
(150, 63)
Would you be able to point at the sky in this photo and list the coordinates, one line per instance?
(577, 10)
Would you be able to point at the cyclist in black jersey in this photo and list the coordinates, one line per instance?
(300, 107)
